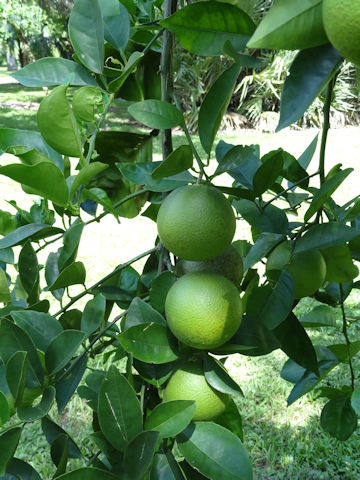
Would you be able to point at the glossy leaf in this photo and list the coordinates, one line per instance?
(14, 339)
(266, 175)
(140, 174)
(355, 400)
(71, 240)
(41, 327)
(7, 255)
(16, 368)
(129, 68)
(50, 71)
(61, 349)
(309, 74)
(5, 295)
(204, 27)
(93, 314)
(156, 114)
(19, 467)
(52, 272)
(119, 410)
(214, 106)
(231, 419)
(150, 342)
(263, 245)
(240, 162)
(28, 267)
(8, 443)
(292, 27)
(139, 454)
(84, 102)
(338, 418)
(154, 374)
(170, 418)
(86, 174)
(59, 453)
(98, 195)
(86, 31)
(270, 219)
(165, 467)
(160, 287)
(242, 60)
(31, 414)
(116, 23)
(74, 274)
(52, 431)
(27, 231)
(325, 192)
(199, 444)
(89, 474)
(44, 179)
(326, 235)
(141, 312)
(178, 161)
(342, 351)
(280, 302)
(4, 409)
(218, 377)
(320, 316)
(67, 386)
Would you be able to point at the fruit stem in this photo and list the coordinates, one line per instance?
(345, 333)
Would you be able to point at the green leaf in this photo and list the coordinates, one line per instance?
(218, 377)
(8, 443)
(44, 179)
(16, 368)
(355, 400)
(231, 419)
(57, 124)
(28, 267)
(338, 418)
(342, 351)
(99, 196)
(93, 315)
(204, 27)
(154, 374)
(307, 155)
(309, 74)
(71, 240)
(129, 68)
(291, 27)
(241, 163)
(61, 349)
(41, 327)
(141, 312)
(67, 386)
(270, 219)
(199, 444)
(52, 431)
(139, 454)
(52, 272)
(34, 230)
(266, 175)
(140, 174)
(263, 245)
(156, 114)
(5, 295)
(14, 339)
(4, 409)
(31, 414)
(214, 106)
(74, 274)
(7, 223)
(280, 302)
(325, 192)
(10, 137)
(116, 23)
(339, 265)
(20, 468)
(160, 287)
(170, 418)
(86, 31)
(86, 174)
(242, 60)
(60, 453)
(326, 235)
(84, 101)
(119, 410)
(165, 467)
(150, 342)
(50, 71)
(320, 316)
(89, 474)
(178, 161)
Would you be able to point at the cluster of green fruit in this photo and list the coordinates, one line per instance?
(203, 308)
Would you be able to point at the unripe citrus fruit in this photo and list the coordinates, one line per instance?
(229, 264)
(189, 383)
(308, 269)
(196, 222)
(341, 20)
(203, 310)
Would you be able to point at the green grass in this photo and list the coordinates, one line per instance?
(283, 443)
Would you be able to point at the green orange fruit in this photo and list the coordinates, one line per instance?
(189, 383)
(308, 269)
(341, 20)
(229, 264)
(196, 222)
(203, 310)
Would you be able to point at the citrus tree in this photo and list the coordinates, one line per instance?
(164, 406)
